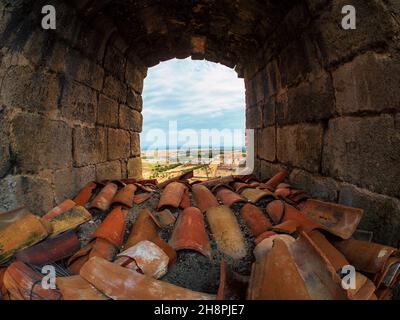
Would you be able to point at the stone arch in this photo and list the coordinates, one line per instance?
(323, 101)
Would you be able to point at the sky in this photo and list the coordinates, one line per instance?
(193, 94)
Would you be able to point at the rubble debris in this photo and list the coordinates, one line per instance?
(190, 232)
(226, 231)
(120, 283)
(244, 238)
(145, 257)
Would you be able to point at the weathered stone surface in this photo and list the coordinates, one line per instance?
(267, 143)
(78, 102)
(268, 112)
(5, 162)
(29, 90)
(128, 118)
(312, 100)
(108, 111)
(315, 186)
(84, 70)
(134, 77)
(253, 117)
(40, 143)
(134, 168)
(300, 146)
(137, 121)
(90, 145)
(364, 151)
(135, 144)
(119, 144)
(109, 170)
(115, 89)
(34, 193)
(268, 169)
(134, 100)
(114, 62)
(368, 83)
(375, 28)
(381, 213)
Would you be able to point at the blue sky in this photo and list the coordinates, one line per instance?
(196, 94)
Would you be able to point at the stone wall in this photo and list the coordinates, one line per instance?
(70, 106)
(324, 101)
(329, 102)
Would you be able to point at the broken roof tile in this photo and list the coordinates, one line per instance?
(254, 219)
(69, 220)
(51, 249)
(21, 234)
(103, 200)
(112, 228)
(254, 195)
(163, 219)
(172, 195)
(23, 283)
(232, 286)
(147, 258)
(277, 179)
(228, 197)
(190, 232)
(203, 197)
(86, 193)
(61, 208)
(125, 196)
(120, 283)
(336, 218)
(77, 288)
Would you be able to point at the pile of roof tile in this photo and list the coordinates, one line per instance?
(301, 244)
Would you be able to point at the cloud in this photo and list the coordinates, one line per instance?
(196, 94)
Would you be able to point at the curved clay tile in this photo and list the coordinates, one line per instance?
(61, 208)
(125, 196)
(85, 194)
(190, 232)
(172, 195)
(228, 197)
(203, 197)
(254, 219)
(103, 200)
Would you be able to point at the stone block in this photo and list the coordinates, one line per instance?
(381, 213)
(134, 100)
(300, 146)
(119, 144)
(115, 89)
(135, 144)
(368, 83)
(134, 168)
(79, 102)
(268, 112)
(109, 170)
(254, 117)
(36, 194)
(128, 118)
(267, 143)
(40, 143)
(114, 62)
(268, 169)
(134, 77)
(315, 186)
(364, 151)
(90, 146)
(108, 111)
(312, 100)
(34, 91)
(374, 27)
